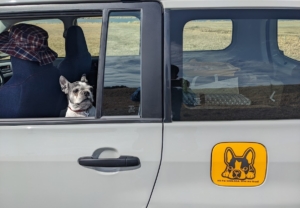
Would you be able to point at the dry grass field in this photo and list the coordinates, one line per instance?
(124, 38)
(289, 38)
(207, 35)
(57, 42)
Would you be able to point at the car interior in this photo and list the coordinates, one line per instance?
(78, 54)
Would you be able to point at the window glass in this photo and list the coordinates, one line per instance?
(288, 38)
(122, 68)
(207, 35)
(91, 27)
(250, 79)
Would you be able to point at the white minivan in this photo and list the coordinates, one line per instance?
(197, 104)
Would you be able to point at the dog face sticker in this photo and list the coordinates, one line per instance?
(239, 167)
(239, 164)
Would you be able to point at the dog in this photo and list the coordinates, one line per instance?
(80, 97)
(239, 167)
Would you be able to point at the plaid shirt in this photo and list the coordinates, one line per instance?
(27, 42)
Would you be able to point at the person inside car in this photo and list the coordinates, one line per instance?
(33, 90)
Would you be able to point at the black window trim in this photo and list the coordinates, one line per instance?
(167, 68)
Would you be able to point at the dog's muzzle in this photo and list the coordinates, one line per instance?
(236, 173)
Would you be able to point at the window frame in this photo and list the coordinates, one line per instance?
(151, 58)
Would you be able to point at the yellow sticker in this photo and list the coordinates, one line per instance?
(238, 164)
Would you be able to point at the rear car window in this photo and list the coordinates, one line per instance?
(237, 72)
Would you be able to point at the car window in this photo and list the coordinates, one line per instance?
(122, 79)
(247, 79)
(47, 85)
(41, 83)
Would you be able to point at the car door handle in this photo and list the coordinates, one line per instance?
(122, 161)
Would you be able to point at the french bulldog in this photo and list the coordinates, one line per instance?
(80, 97)
(239, 167)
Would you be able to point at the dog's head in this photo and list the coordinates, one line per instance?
(239, 167)
(79, 93)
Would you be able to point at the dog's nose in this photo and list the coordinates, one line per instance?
(237, 173)
(86, 93)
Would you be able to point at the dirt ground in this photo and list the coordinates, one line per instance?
(117, 102)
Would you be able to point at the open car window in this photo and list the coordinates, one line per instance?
(78, 49)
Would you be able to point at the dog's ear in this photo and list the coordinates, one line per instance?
(83, 78)
(228, 155)
(249, 155)
(64, 84)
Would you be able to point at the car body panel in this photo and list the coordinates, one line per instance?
(38, 158)
(185, 177)
(39, 168)
(185, 181)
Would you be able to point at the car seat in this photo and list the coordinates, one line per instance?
(78, 60)
(32, 92)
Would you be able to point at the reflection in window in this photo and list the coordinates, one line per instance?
(288, 38)
(122, 68)
(250, 79)
(207, 35)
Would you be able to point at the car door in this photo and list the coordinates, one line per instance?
(229, 140)
(112, 159)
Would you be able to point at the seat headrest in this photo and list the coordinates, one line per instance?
(75, 42)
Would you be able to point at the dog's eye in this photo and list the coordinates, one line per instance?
(75, 91)
(230, 168)
(245, 168)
